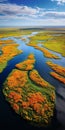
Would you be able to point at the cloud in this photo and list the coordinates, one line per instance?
(13, 13)
(59, 2)
(14, 10)
(53, 14)
(11, 9)
(3, 1)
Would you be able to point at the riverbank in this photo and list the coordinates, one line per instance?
(43, 70)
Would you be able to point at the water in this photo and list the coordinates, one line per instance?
(7, 116)
(0, 52)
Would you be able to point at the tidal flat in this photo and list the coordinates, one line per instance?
(32, 70)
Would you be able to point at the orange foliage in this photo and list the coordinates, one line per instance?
(42, 111)
(1, 42)
(37, 107)
(15, 96)
(46, 107)
(9, 41)
(57, 68)
(12, 82)
(31, 56)
(36, 101)
(36, 98)
(60, 78)
(19, 90)
(27, 64)
(49, 54)
(45, 51)
(9, 52)
(17, 78)
(25, 104)
(34, 76)
(15, 107)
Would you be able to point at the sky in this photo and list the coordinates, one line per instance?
(32, 13)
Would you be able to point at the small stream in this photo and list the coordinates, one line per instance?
(7, 115)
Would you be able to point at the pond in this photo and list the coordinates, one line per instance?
(7, 115)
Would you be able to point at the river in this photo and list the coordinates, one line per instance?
(8, 117)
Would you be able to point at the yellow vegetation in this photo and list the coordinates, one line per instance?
(34, 76)
(15, 32)
(45, 51)
(8, 52)
(57, 68)
(57, 76)
(8, 41)
(27, 64)
(32, 102)
(15, 96)
(18, 78)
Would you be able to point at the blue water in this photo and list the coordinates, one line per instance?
(7, 115)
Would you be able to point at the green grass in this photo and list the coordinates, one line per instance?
(2, 66)
(48, 40)
(56, 44)
(8, 32)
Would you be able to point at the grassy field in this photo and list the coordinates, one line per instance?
(41, 38)
(57, 44)
(9, 32)
(50, 40)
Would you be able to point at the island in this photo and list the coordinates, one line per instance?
(9, 50)
(29, 94)
(59, 71)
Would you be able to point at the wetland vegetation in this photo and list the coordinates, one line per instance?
(37, 61)
(51, 40)
(9, 50)
(34, 101)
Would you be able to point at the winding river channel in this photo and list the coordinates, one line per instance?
(7, 115)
